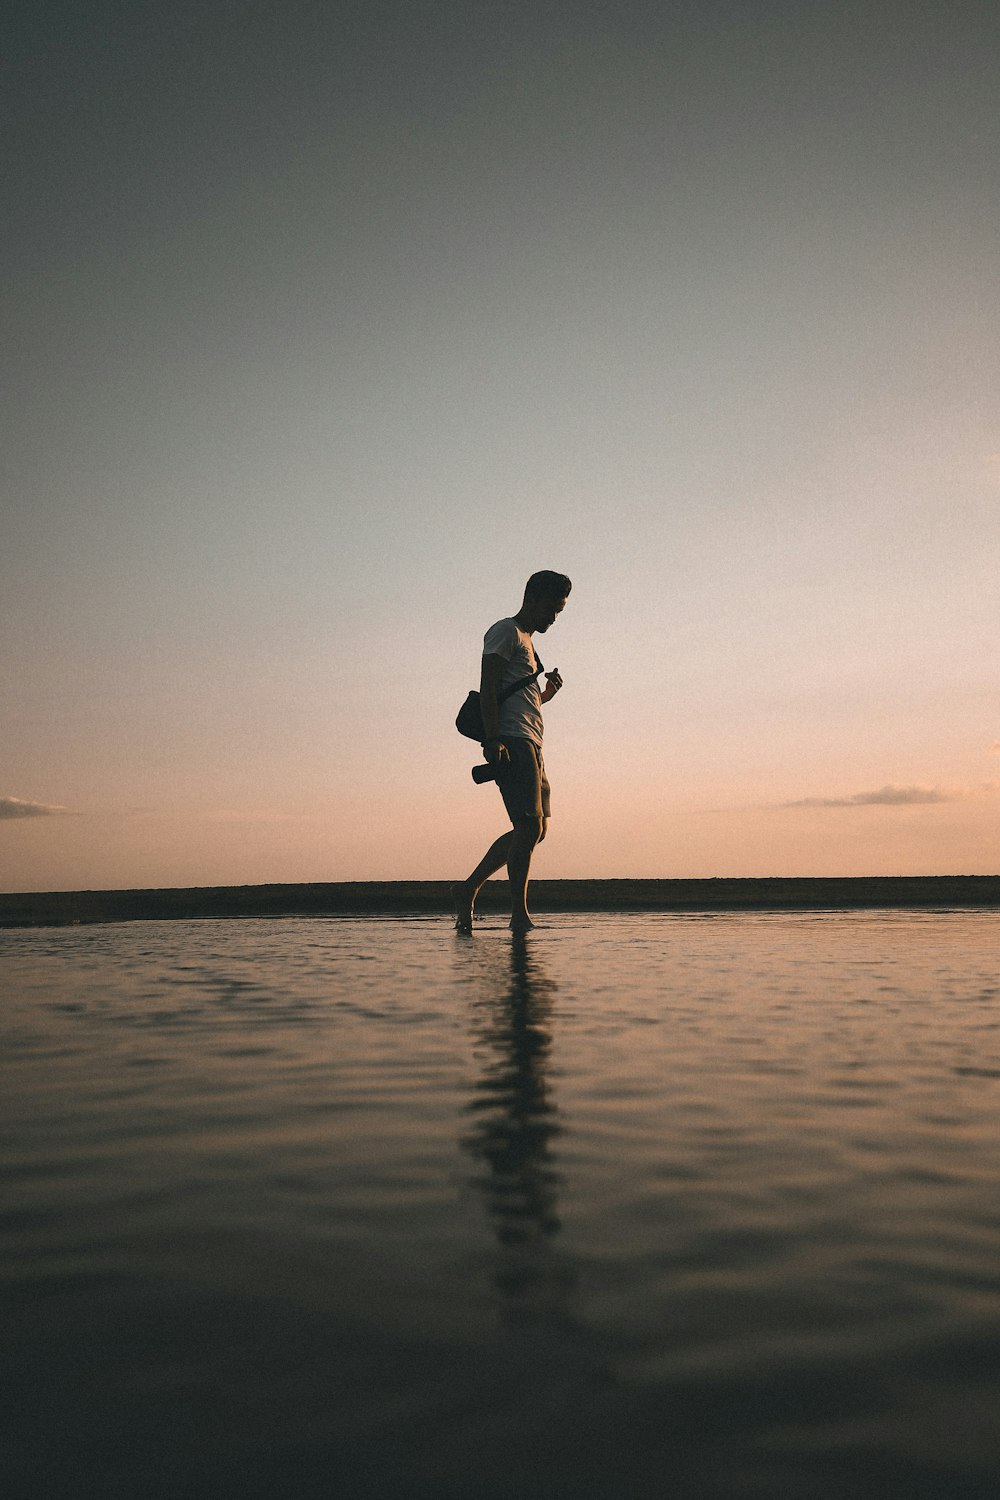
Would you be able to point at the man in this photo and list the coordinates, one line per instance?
(513, 744)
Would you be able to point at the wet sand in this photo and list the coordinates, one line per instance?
(429, 897)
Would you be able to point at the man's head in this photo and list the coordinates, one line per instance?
(545, 594)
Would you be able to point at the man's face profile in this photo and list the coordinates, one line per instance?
(548, 611)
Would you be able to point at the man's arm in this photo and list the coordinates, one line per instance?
(489, 687)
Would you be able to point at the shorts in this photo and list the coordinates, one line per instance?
(523, 783)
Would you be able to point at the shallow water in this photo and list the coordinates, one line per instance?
(642, 1206)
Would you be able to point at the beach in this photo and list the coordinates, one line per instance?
(426, 897)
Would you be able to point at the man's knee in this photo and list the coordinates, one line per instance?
(531, 830)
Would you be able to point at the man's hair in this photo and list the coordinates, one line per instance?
(547, 585)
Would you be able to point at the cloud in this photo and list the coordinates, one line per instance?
(16, 807)
(883, 796)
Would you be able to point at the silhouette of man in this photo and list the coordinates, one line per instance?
(514, 744)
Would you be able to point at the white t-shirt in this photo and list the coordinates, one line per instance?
(521, 713)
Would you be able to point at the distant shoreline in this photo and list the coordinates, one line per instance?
(429, 897)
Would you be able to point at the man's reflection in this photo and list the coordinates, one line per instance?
(515, 1124)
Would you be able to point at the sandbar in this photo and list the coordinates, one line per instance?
(431, 897)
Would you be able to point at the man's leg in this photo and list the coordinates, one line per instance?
(527, 833)
(464, 894)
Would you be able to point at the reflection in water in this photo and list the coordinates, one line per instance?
(515, 1124)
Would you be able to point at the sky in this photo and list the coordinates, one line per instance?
(326, 325)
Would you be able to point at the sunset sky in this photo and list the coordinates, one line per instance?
(328, 324)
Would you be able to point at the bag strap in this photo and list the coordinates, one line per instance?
(515, 687)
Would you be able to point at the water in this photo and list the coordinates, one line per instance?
(656, 1205)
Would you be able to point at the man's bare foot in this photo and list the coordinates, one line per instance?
(462, 898)
(521, 924)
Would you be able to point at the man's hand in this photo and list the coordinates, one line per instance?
(496, 752)
(553, 682)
